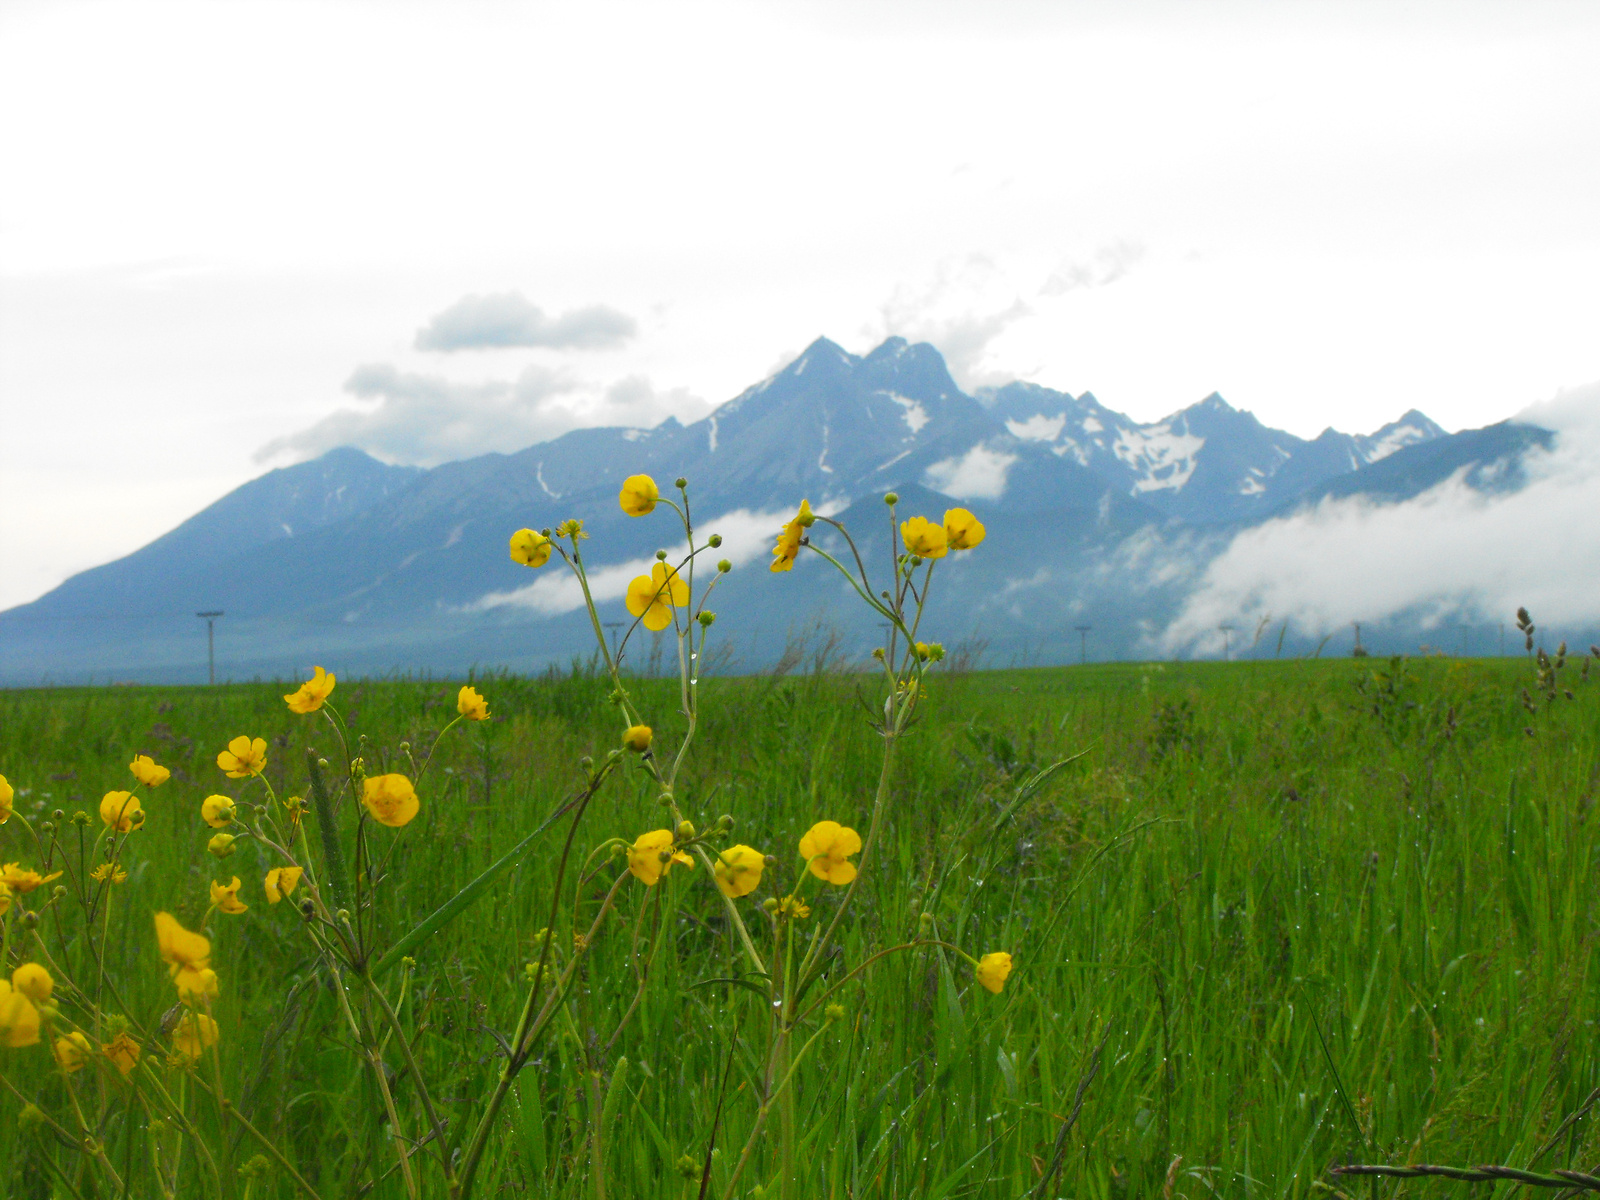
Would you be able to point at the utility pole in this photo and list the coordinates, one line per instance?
(210, 618)
(1227, 642)
(1083, 643)
(613, 626)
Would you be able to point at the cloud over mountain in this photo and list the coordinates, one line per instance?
(1456, 553)
(507, 319)
(428, 419)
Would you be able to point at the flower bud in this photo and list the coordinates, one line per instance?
(891, 499)
(770, 904)
(686, 829)
(58, 892)
(724, 566)
(834, 1012)
(706, 618)
(586, 762)
(877, 653)
(724, 823)
(221, 845)
(716, 540)
(60, 814)
(80, 817)
(342, 916)
(47, 826)
(925, 922)
(680, 483)
(665, 799)
(29, 920)
(661, 556)
(637, 738)
(771, 860)
(935, 651)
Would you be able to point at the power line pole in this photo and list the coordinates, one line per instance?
(1083, 643)
(613, 626)
(1227, 642)
(210, 618)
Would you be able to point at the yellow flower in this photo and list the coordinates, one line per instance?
(281, 881)
(293, 806)
(993, 969)
(5, 899)
(793, 906)
(471, 705)
(33, 981)
(826, 848)
(72, 1051)
(962, 530)
(148, 772)
(529, 548)
(923, 538)
(185, 953)
(243, 757)
(221, 845)
(645, 858)
(390, 799)
(19, 1019)
(226, 898)
(218, 811)
(123, 1052)
(639, 495)
(109, 871)
(193, 1033)
(197, 985)
(654, 596)
(15, 877)
(312, 692)
(783, 554)
(7, 795)
(738, 870)
(572, 528)
(637, 738)
(121, 811)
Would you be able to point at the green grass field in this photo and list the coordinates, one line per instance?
(1318, 911)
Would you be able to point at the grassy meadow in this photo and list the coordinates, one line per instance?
(1307, 911)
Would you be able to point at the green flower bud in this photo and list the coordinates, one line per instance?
(891, 499)
(716, 540)
(724, 566)
(680, 483)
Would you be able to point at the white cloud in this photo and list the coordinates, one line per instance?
(1451, 552)
(979, 474)
(961, 309)
(746, 534)
(428, 419)
(504, 319)
(1106, 265)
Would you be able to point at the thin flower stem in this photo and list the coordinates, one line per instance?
(761, 1114)
(392, 1019)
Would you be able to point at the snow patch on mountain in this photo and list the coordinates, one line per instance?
(915, 415)
(1038, 428)
(1162, 458)
(979, 474)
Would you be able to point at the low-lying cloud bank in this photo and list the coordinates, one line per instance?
(1450, 554)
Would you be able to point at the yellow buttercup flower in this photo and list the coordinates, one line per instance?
(218, 811)
(196, 986)
(121, 811)
(647, 852)
(5, 899)
(923, 538)
(193, 1033)
(530, 548)
(962, 530)
(827, 847)
(783, 554)
(221, 845)
(639, 495)
(311, 693)
(7, 795)
(738, 870)
(471, 705)
(793, 906)
(572, 528)
(33, 981)
(19, 1019)
(72, 1052)
(652, 597)
(390, 799)
(637, 738)
(21, 880)
(993, 969)
(123, 1052)
(109, 871)
(225, 898)
(243, 757)
(184, 952)
(281, 881)
(148, 772)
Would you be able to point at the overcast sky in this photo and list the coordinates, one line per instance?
(233, 234)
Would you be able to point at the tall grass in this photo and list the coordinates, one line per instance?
(1316, 911)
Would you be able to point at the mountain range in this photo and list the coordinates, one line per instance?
(1094, 519)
